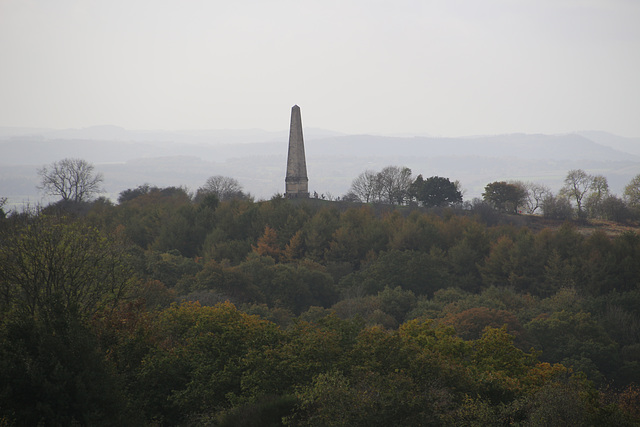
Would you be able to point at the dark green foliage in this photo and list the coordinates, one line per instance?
(435, 191)
(313, 313)
(49, 260)
(556, 207)
(52, 372)
(504, 196)
(615, 209)
(132, 193)
(268, 411)
(576, 340)
(420, 272)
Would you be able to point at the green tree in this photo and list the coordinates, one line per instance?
(50, 261)
(423, 273)
(556, 207)
(132, 193)
(470, 323)
(197, 365)
(504, 196)
(632, 192)
(52, 372)
(576, 186)
(55, 275)
(576, 340)
(435, 191)
(359, 233)
(149, 213)
(595, 199)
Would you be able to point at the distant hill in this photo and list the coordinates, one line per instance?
(620, 143)
(257, 158)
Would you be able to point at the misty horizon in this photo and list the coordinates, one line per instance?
(443, 69)
(257, 159)
(180, 85)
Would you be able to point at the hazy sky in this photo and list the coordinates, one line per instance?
(444, 67)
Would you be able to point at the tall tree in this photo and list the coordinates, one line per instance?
(576, 186)
(72, 179)
(599, 192)
(632, 192)
(435, 191)
(394, 184)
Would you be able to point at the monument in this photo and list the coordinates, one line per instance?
(296, 181)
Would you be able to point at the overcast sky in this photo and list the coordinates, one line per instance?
(446, 67)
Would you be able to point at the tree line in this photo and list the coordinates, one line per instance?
(582, 195)
(174, 309)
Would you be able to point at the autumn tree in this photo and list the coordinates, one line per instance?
(267, 244)
(71, 179)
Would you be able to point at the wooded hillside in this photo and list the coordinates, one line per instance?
(162, 310)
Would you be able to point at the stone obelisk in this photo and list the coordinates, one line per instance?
(296, 182)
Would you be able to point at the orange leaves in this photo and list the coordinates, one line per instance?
(267, 244)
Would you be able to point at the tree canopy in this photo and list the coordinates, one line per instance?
(168, 310)
(435, 191)
(504, 196)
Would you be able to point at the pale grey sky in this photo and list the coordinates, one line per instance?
(448, 67)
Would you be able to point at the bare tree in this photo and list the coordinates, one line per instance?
(72, 179)
(576, 185)
(223, 187)
(394, 184)
(366, 186)
(535, 194)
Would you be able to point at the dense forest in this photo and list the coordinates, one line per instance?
(173, 309)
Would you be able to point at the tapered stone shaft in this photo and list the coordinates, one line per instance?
(296, 181)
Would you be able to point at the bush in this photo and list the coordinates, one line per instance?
(554, 207)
